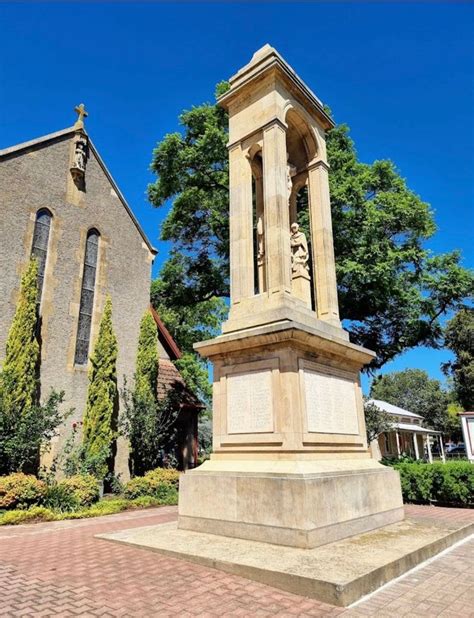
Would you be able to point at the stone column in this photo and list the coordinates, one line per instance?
(324, 266)
(277, 219)
(241, 228)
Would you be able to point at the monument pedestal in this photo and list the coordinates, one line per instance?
(290, 462)
(296, 503)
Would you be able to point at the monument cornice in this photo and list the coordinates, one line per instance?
(282, 333)
(268, 61)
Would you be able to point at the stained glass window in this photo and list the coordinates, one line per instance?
(39, 249)
(87, 298)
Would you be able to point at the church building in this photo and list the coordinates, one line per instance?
(60, 204)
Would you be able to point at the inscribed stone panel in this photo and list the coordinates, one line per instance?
(249, 402)
(330, 403)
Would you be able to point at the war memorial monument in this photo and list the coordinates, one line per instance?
(290, 463)
(290, 495)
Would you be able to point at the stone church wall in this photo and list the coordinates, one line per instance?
(38, 179)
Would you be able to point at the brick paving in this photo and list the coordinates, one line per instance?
(60, 569)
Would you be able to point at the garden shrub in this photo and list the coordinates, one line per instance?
(73, 493)
(84, 487)
(60, 498)
(20, 490)
(445, 483)
(138, 486)
(160, 483)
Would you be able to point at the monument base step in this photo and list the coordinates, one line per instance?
(339, 573)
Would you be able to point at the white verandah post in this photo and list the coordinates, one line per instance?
(428, 443)
(398, 443)
(415, 444)
(443, 457)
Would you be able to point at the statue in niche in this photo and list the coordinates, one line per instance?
(260, 241)
(290, 172)
(80, 156)
(299, 251)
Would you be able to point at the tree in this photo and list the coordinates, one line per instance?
(146, 376)
(20, 376)
(392, 291)
(26, 426)
(101, 408)
(24, 436)
(415, 391)
(459, 338)
(147, 422)
(187, 322)
(376, 421)
(453, 427)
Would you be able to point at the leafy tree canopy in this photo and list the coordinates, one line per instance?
(377, 421)
(459, 338)
(392, 291)
(415, 391)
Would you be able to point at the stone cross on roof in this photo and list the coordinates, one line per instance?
(81, 111)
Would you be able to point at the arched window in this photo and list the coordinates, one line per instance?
(87, 298)
(39, 250)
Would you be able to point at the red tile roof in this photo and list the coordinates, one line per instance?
(170, 378)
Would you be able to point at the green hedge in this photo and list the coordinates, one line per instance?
(450, 483)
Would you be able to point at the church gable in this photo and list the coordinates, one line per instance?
(64, 168)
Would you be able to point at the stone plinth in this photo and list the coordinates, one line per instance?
(289, 390)
(296, 503)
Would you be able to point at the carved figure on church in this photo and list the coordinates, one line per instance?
(299, 251)
(80, 156)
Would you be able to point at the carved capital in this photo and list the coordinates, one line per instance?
(275, 122)
(320, 164)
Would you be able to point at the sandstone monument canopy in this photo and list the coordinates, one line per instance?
(392, 291)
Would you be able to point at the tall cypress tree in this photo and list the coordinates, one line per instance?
(98, 429)
(146, 376)
(19, 380)
(142, 421)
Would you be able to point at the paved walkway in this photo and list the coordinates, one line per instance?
(60, 569)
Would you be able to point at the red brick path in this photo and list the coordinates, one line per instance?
(60, 569)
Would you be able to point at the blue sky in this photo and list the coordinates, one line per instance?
(399, 74)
